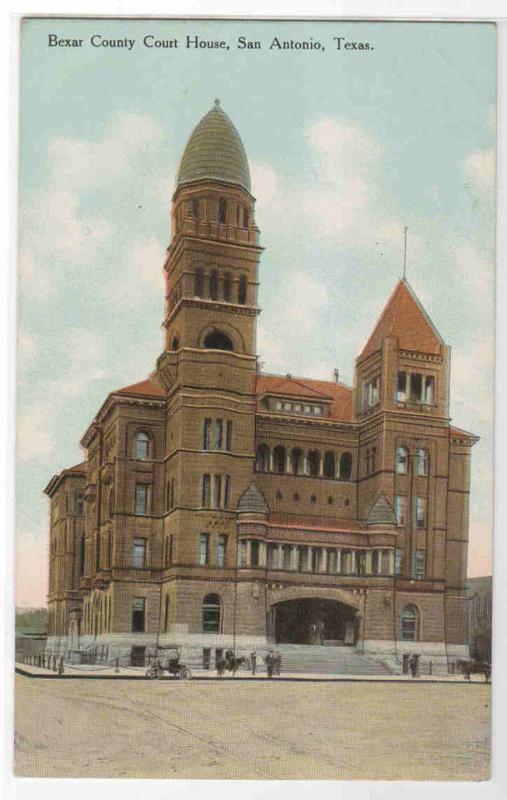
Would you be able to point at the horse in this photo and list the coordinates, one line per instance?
(475, 667)
(231, 664)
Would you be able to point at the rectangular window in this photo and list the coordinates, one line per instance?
(227, 491)
(228, 436)
(169, 550)
(287, 406)
(416, 387)
(307, 409)
(397, 562)
(221, 550)
(317, 410)
(79, 503)
(254, 553)
(138, 614)
(216, 493)
(141, 498)
(206, 434)
(421, 512)
(400, 507)
(278, 405)
(272, 556)
(203, 549)
(139, 553)
(205, 491)
(419, 563)
(429, 390)
(219, 429)
(401, 390)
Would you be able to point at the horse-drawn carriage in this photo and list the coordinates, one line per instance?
(472, 667)
(171, 664)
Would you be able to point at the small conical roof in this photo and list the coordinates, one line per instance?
(405, 318)
(252, 501)
(381, 513)
(215, 152)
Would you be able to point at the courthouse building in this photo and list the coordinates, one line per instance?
(221, 507)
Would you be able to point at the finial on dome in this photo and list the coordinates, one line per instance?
(217, 102)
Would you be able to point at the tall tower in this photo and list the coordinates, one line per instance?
(208, 367)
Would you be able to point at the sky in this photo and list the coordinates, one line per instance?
(345, 147)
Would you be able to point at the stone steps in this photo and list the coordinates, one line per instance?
(329, 660)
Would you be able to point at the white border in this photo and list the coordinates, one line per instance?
(352, 9)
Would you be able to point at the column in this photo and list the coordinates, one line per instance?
(262, 554)
(338, 562)
(305, 465)
(369, 562)
(288, 465)
(353, 567)
(238, 555)
(321, 466)
(280, 556)
(323, 562)
(294, 557)
(271, 461)
(391, 562)
(309, 559)
(249, 553)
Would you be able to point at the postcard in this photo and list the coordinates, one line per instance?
(255, 399)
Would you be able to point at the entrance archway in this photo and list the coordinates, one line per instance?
(312, 620)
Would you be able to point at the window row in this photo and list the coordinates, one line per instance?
(217, 434)
(415, 387)
(219, 286)
(401, 509)
(322, 560)
(421, 461)
(227, 212)
(297, 462)
(289, 407)
(211, 614)
(220, 552)
(215, 491)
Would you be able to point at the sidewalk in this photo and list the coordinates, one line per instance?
(138, 673)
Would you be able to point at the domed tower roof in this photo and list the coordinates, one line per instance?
(381, 513)
(215, 151)
(252, 501)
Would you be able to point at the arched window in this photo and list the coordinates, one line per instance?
(142, 447)
(194, 207)
(213, 285)
(422, 462)
(314, 462)
(262, 462)
(211, 614)
(296, 461)
(242, 286)
(401, 460)
(216, 340)
(222, 211)
(409, 624)
(329, 465)
(175, 343)
(227, 287)
(199, 282)
(279, 459)
(345, 466)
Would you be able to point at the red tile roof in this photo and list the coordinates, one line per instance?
(143, 388)
(337, 395)
(404, 318)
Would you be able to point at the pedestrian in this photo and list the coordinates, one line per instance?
(278, 662)
(413, 666)
(269, 663)
(253, 661)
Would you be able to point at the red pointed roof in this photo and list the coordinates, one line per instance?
(337, 395)
(143, 388)
(405, 319)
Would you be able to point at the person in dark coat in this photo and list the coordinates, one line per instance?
(253, 661)
(413, 666)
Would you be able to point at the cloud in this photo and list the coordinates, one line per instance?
(34, 441)
(27, 348)
(479, 549)
(479, 170)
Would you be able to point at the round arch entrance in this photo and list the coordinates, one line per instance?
(312, 620)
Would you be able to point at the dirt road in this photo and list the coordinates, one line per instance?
(217, 730)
